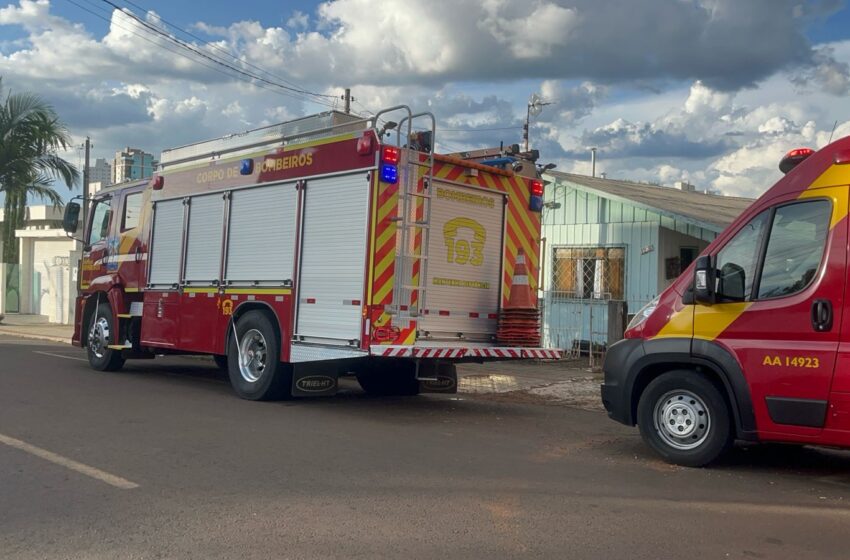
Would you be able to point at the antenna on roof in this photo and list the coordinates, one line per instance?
(833, 132)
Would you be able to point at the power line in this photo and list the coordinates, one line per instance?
(195, 50)
(228, 53)
(188, 57)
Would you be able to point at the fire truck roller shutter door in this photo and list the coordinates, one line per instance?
(465, 260)
(261, 243)
(333, 258)
(203, 249)
(167, 243)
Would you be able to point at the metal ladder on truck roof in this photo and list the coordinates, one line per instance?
(413, 220)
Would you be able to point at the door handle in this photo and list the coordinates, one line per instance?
(822, 315)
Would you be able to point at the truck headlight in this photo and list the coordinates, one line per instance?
(643, 314)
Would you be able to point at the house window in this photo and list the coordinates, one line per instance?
(589, 273)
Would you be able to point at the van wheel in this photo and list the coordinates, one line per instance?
(389, 378)
(100, 336)
(684, 418)
(253, 361)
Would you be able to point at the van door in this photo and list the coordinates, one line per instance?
(780, 284)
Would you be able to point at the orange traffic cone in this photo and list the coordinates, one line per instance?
(521, 296)
(519, 321)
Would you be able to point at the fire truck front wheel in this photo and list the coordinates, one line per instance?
(253, 360)
(100, 336)
(683, 416)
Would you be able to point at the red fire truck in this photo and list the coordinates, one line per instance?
(315, 248)
(751, 342)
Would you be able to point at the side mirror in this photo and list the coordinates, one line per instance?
(732, 282)
(71, 219)
(704, 281)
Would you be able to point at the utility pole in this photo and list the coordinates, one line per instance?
(86, 184)
(348, 99)
(535, 105)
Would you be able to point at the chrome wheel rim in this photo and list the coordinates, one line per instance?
(682, 420)
(99, 336)
(253, 355)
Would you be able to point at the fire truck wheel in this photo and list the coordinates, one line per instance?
(389, 379)
(684, 418)
(100, 336)
(253, 361)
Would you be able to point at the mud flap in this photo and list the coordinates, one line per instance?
(311, 380)
(443, 378)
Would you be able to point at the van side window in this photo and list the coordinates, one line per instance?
(132, 209)
(100, 221)
(737, 261)
(794, 248)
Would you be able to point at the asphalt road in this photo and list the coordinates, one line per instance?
(162, 461)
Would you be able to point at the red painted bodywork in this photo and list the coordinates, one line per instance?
(781, 327)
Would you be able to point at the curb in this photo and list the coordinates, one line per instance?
(30, 336)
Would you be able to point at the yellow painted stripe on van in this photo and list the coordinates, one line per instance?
(680, 324)
(838, 195)
(711, 320)
(834, 175)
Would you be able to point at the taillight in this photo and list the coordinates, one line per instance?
(794, 158)
(390, 154)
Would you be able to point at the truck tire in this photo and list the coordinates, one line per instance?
(684, 418)
(389, 378)
(253, 361)
(221, 362)
(100, 336)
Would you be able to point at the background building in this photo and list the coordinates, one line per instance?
(607, 241)
(100, 172)
(131, 164)
(44, 282)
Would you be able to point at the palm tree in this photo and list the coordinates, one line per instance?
(31, 134)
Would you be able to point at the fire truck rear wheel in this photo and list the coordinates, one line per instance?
(683, 416)
(253, 361)
(100, 336)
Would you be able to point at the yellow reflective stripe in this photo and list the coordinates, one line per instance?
(259, 291)
(711, 320)
(680, 324)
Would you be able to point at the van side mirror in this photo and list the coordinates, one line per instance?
(704, 280)
(71, 219)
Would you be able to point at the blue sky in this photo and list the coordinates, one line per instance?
(709, 91)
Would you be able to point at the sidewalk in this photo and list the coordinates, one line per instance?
(36, 327)
(569, 382)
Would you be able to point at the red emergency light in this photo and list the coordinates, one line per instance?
(390, 154)
(794, 158)
(536, 188)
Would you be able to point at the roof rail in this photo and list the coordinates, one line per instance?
(290, 132)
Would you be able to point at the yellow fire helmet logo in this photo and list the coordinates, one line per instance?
(461, 250)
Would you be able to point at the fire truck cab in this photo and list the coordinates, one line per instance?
(752, 342)
(302, 251)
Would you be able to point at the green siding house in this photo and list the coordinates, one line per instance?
(608, 240)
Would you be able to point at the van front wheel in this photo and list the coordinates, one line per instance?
(684, 418)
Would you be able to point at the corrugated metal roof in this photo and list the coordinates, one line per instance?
(696, 207)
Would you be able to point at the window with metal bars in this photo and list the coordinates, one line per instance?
(588, 273)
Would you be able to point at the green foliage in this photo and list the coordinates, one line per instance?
(31, 135)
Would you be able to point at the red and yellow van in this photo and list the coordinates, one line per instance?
(751, 342)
